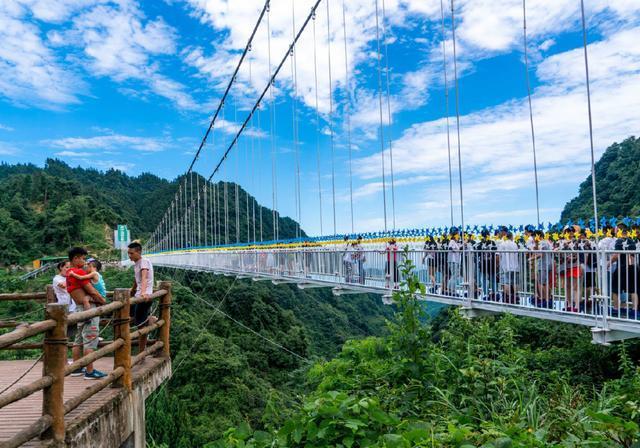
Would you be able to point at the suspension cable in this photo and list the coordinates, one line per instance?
(457, 90)
(330, 120)
(446, 108)
(384, 186)
(348, 110)
(533, 134)
(237, 177)
(265, 90)
(231, 81)
(386, 60)
(253, 158)
(272, 119)
(315, 76)
(259, 172)
(588, 84)
(294, 77)
(198, 208)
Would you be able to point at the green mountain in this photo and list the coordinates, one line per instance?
(617, 185)
(43, 211)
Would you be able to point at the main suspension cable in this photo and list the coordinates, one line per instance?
(231, 81)
(265, 90)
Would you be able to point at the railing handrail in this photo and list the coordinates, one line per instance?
(51, 424)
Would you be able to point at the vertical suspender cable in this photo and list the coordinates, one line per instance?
(225, 185)
(386, 60)
(348, 110)
(274, 184)
(294, 78)
(384, 186)
(246, 189)
(253, 159)
(259, 171)
(330, 119)
(465, 268)
(533, 134)
(446, 108)
(593, 160)
(198, 207)
(315, 77)
(185, 221)
(190, 209)
(237, 177)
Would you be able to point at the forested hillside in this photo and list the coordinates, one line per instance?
(618, 185)
(43, 211)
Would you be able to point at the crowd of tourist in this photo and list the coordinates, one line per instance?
(555, 269)
(79, 285)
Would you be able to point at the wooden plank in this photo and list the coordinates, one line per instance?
(18, 416)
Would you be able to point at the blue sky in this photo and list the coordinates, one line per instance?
(131, 85)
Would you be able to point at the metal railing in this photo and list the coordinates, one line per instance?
(589, 283)
(54, 347)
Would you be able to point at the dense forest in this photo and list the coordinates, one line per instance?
(43, 211)
(618, 185)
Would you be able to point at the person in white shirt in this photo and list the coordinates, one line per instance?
(454, 258)
(63, 297)
(142, 287)
(605, 248)
(509, 267)
(60, 286)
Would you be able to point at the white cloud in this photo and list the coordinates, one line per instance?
(5, 128)
(73, 154)
(111, 38)
(142, 144)
(6, 149)
(496, 142)
(30, 73)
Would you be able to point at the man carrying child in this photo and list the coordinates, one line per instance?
(86, 296)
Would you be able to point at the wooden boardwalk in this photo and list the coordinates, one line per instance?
(20, 414)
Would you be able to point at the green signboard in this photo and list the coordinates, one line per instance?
(123, 233)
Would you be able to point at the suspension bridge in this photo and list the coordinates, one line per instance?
(212, 226)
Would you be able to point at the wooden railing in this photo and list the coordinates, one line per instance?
(54, 356)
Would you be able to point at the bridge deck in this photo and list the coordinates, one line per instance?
(20, 414)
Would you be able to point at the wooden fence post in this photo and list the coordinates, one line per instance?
(51, 295)
(165, 314)
(121, 330)
(54, 362)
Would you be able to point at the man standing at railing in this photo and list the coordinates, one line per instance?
(509, 267)
(143, 288)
